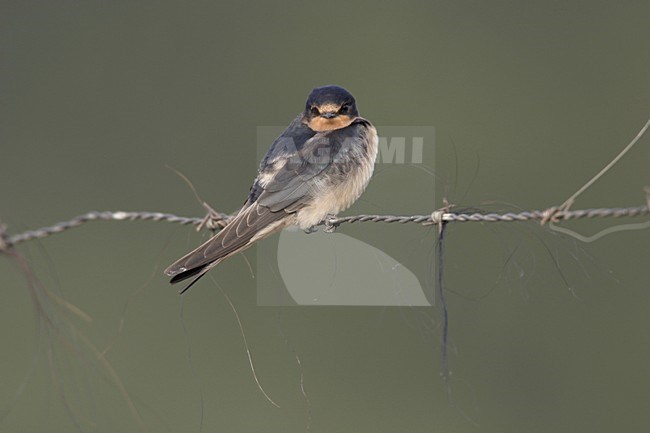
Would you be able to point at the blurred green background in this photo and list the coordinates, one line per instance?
(528, 100)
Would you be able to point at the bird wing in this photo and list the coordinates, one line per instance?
(286, 190)
(236, 236)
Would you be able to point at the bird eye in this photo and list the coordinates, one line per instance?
(344, 108)
(315, 111)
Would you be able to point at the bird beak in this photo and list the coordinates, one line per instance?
(329, 115)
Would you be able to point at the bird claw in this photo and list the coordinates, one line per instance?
(327, 223)
(330, 227)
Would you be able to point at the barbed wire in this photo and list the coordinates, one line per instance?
(217, 220)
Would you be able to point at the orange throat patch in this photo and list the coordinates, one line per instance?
(320, 124)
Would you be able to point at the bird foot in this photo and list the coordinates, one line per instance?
(330, 226)
(311, 230)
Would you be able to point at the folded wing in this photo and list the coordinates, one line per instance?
(269, 209)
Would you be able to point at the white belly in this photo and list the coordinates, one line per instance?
(336, 198)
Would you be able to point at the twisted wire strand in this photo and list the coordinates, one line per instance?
(216, 220)
(98, 216)
(536, 215)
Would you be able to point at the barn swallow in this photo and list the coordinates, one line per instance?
(318, 166)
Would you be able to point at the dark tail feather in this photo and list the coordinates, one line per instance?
(196, 272)
(186, 288)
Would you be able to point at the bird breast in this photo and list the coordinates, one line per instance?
(345, 182)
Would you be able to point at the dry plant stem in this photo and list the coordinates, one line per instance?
(553, 216)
